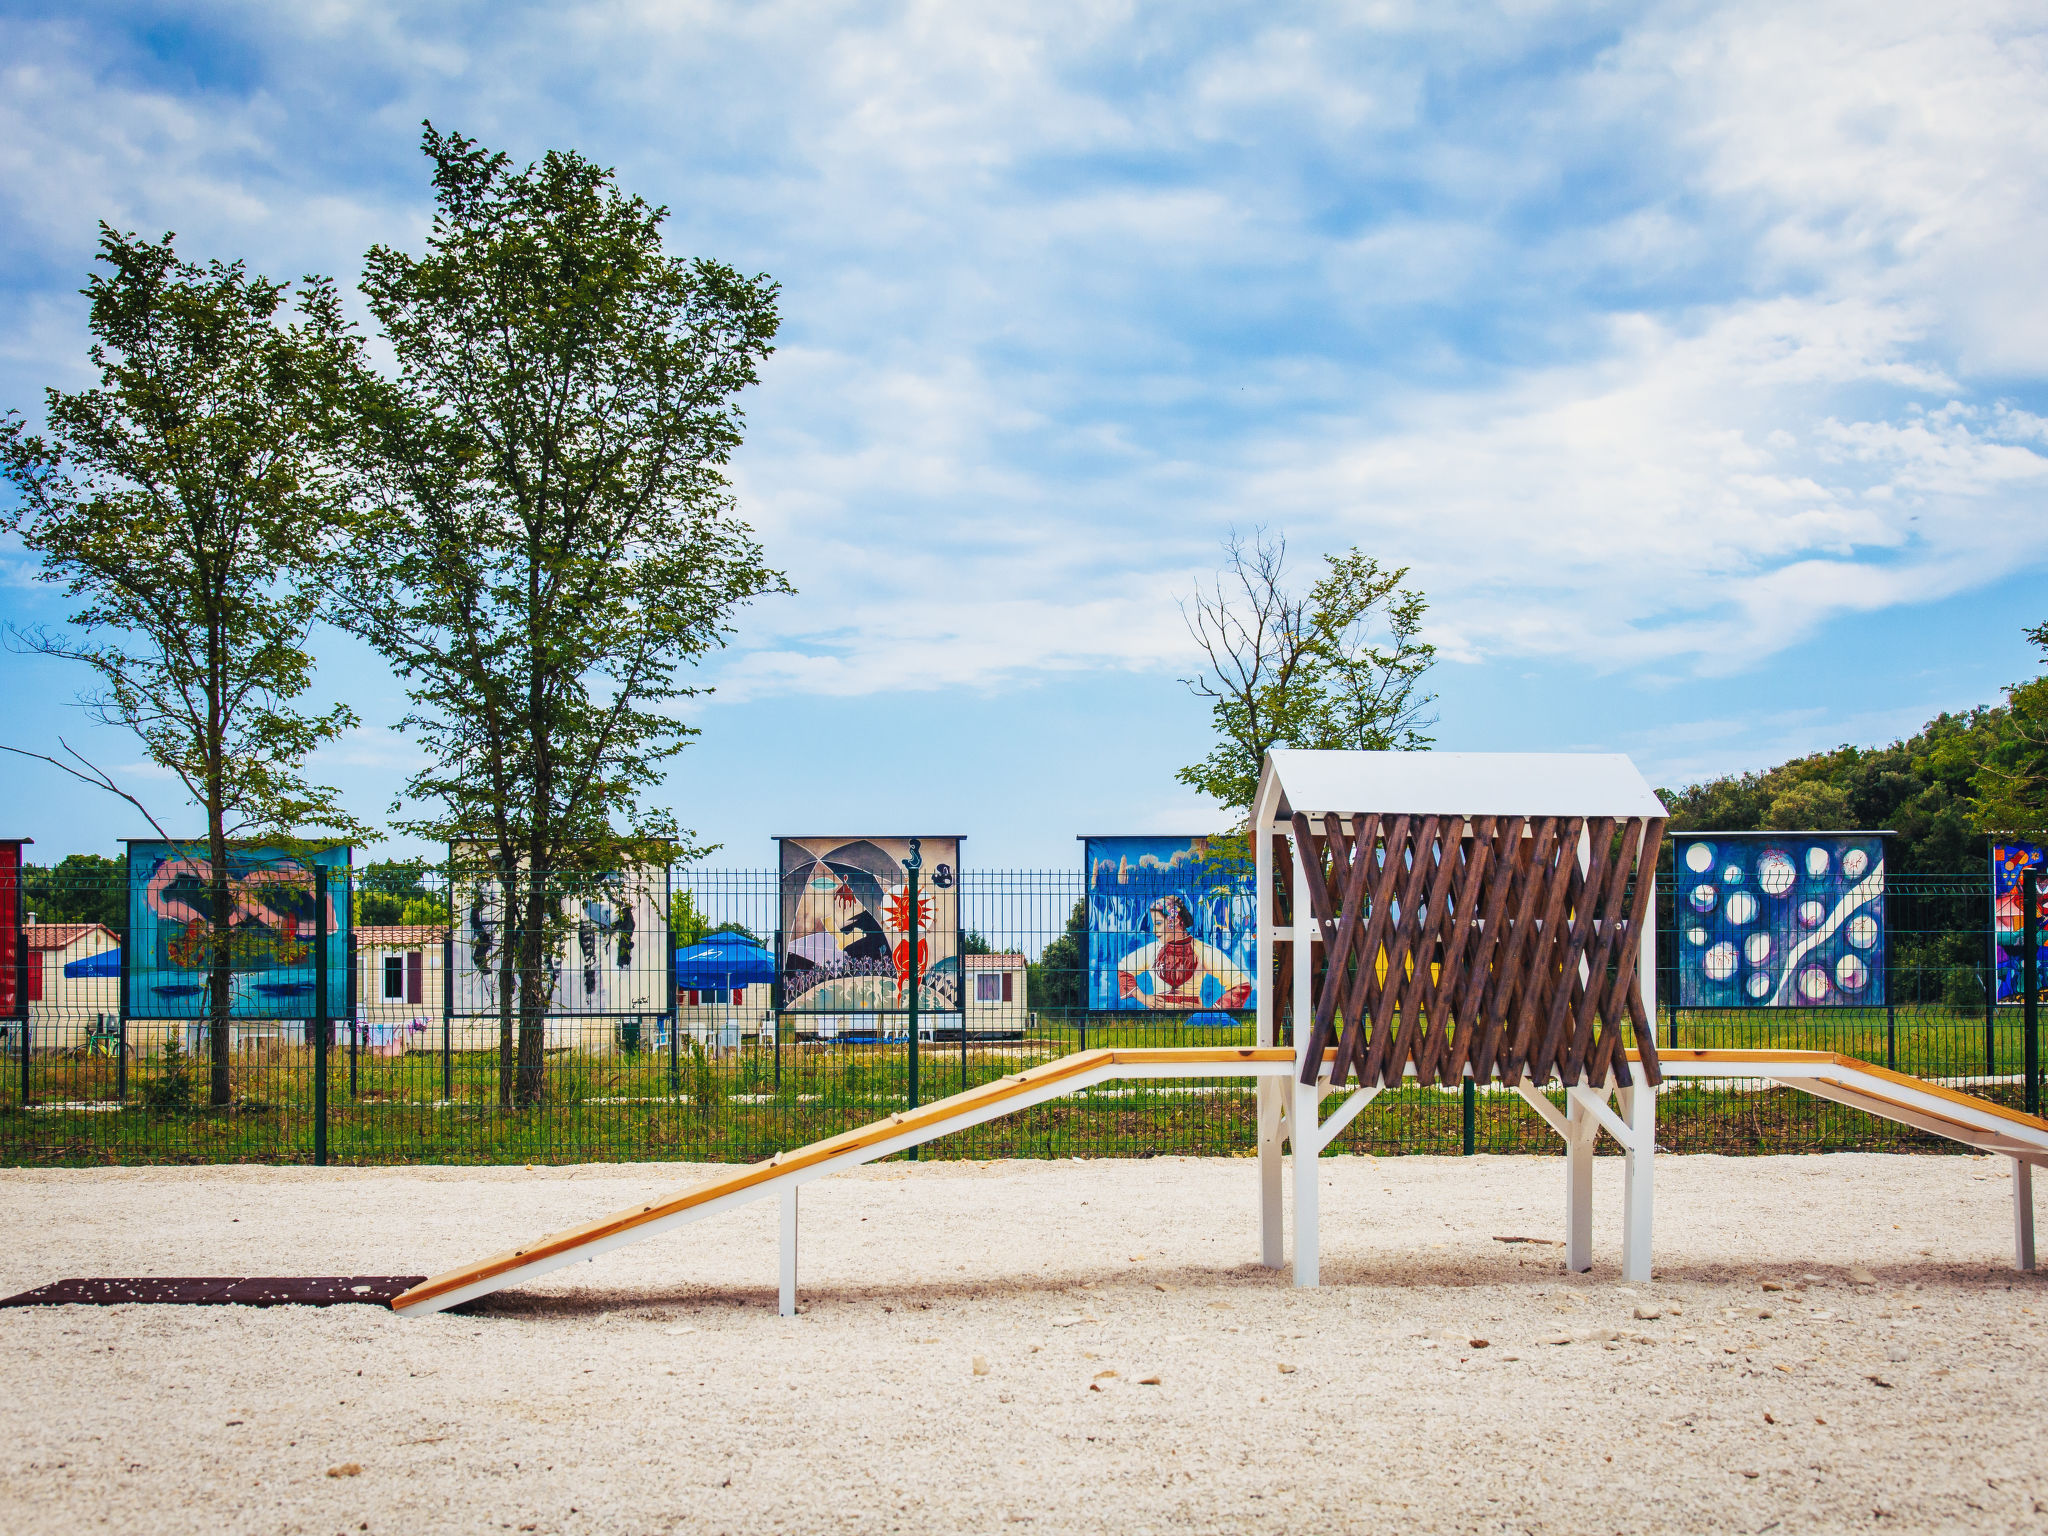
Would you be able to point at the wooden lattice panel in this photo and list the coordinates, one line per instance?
(1451, 942)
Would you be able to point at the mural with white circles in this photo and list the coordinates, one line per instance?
(1780, 920)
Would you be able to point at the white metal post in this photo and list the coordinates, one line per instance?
(1271, 1093)
(1638, 1219)
(1639, 1108)
(1306, 1128)
(2022, 1214)
(1578, 1185)
(788, 1298)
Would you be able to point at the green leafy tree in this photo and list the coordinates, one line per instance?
(79, 888)
(1339, 666)
(2010, 788)
(386, 889)
(545, 534)
(1057, 981)
(182, 506)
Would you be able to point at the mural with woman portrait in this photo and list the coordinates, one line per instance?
(1170, 928)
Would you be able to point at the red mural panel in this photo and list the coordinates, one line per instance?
(12, 1004)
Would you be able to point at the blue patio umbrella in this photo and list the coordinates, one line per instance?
(106, 963)
(721, 961)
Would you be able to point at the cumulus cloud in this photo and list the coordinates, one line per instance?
(1654, 334)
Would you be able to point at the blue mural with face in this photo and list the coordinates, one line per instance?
(1780, 920)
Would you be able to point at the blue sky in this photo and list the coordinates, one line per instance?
(1692, 356)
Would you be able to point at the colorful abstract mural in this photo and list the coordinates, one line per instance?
(1170, 927)
(607, 946)
(1780, 919)
(272, 930)
(846, 925)
(2008, 861)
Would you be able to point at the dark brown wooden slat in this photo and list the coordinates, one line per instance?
(1582, 1055)
(1539, 967)
(1578, 938)
(1626, 987)
(1366, 947)
(1427, 930)
(1308, 850)
(1419, 870)
(1336, 952)
(220, 1291)
(1498, 1047)
(1462, 956)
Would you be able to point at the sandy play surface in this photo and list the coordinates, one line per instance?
(656, 1390)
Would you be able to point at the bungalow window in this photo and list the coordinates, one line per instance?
(995, 987)
(394, 977)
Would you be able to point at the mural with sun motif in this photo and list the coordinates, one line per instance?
(846, 925)
(1780, 919)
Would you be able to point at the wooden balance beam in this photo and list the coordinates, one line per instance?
(1913, 1101)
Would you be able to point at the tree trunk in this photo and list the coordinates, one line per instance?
(508, 972)
(220, 960)
(534, 992)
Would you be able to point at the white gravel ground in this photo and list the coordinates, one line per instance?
(656, 1390)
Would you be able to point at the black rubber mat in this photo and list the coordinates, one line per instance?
(220, 1291)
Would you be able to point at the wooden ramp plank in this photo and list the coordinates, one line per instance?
(935, 1119)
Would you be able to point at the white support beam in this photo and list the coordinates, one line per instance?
(787, 1298)
(1552, 1115)
(1639, 1196)
(1595, 1102)
(1272, 1093)
(1578, 1190)
(1329, 1130)
(2022, 1214)
(1305, 1134)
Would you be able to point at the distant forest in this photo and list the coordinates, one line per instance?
(1944, 791)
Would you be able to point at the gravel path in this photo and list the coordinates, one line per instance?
(656, 1390)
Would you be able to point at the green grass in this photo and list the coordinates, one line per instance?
(739, 1106)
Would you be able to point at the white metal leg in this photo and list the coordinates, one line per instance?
(1272, 1238)
(1307, 1203)
(788, 1298)
(2022, 1214)
(1639, 1106)
(1578, 1195)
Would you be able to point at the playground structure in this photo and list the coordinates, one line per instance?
(1505, 935)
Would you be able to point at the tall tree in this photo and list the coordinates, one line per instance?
(546, 534)
(2010, 787)
(1339, 666)
(182, 505)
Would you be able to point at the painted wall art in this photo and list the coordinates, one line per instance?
(1780, 920)
(13, 995)
(846, 925)
(1170, 928)
(273, 928)
(2008, 860)
(607, 947)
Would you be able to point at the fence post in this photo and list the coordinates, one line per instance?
(914, 863)
(354, 988)
(320, 1015)
(1471, 1097)
(448, 997)
(2030, 945)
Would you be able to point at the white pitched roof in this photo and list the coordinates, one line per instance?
(1458, 783)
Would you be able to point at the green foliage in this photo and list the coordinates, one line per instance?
(1920, 788)
(394, 891)
(544, 533)
(1340, 667)
(2011, 785)
(79, 888)
(686, 924)
(1057, 981)
(171, 1087)
(972, 943)
(706, 1092)
(182, 505)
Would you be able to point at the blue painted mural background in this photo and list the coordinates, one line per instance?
(1167, 932)
(1780, 920)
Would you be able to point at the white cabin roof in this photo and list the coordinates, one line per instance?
(1455, 783)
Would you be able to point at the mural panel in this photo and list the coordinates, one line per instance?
(846, 925)
(1780, 920)
(272, 931)
(2007, 898)
(13, 1004)
(608, 947)
(1169, 929)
